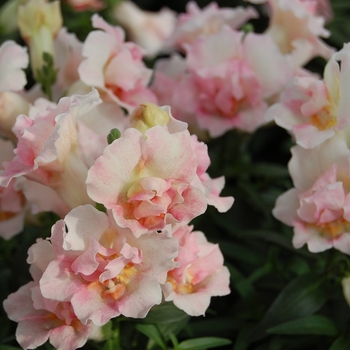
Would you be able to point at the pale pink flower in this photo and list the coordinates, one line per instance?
(104, 271)
(13, 205)
(83, 5)
(68, 57)
(145, 180)
(156, 176)
(200, 274)
(210, 187)
(115, 67)
(13, 59)
(150, 30)
(314, 110)
(319, 206)
(196, 22)
(229, 80)
(320, 8)
(40, 319)
(167, 84)
(48, 149)
(296, 26)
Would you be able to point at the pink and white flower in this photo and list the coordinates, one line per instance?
(296, 26)
(115, 67)
(210, 20)
(104, 271)
(200, 274)
(68, 57)
(13, 205)
(40, 319)
(319, 206)
(154, 177)
(314, 110)
(145, 180)
(13, 59)
(150, 30)
(48, 149)
(228, 82)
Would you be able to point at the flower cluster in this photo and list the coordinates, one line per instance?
(316, 112)
(150, 181)
(103, 141)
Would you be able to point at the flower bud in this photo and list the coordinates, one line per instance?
(148, 115)
(39, 21)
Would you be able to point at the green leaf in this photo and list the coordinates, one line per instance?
(152, 332)
(301, 297)
(311, 325)
(203, 343)
(341, 343)
(164, 313)
(168, 318)
(8, 347)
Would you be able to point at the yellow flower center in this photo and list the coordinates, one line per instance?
(334, 228)
(324, 119)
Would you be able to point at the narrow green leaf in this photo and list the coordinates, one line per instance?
(301, 297)
(341, 343)
(241, 342)
(165, 313)
(203, 343)
(152, 332)
(311, 325)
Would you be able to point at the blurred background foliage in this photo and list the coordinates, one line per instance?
(281, 298)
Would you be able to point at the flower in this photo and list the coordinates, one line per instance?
(40, 319)
(104, 271)
(48, 149)
(115, 67)
(154, 174)
(13, 59)
(314, 110)
(200, 274)
(210, 20)
(227, 81)
(150, 30)
(319, 206)
(145, 180)
(13, 205)
(295, 26)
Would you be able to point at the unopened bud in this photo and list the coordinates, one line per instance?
(39, 22)
(148, 115)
